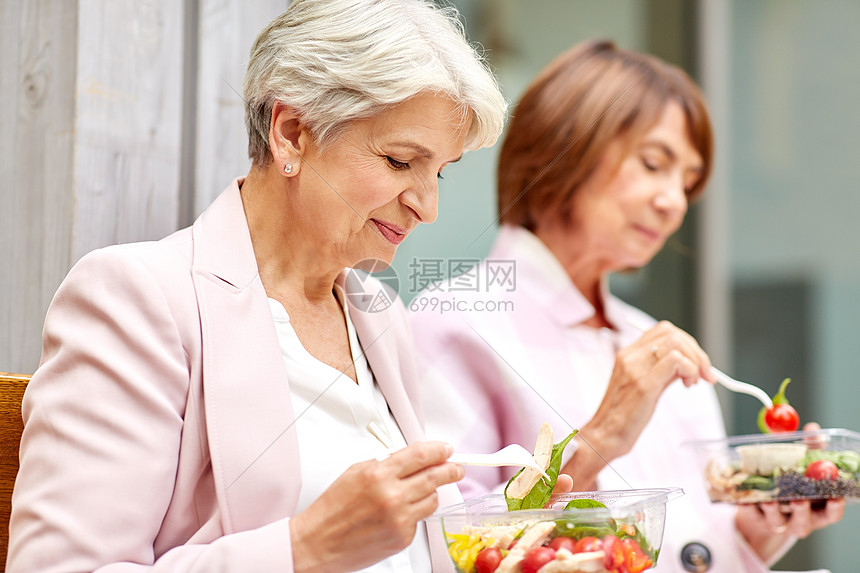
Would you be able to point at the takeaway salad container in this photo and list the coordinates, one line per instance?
(815, 465)
(588, 532)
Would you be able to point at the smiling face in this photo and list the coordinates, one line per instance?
(634, 201)
(365, 192)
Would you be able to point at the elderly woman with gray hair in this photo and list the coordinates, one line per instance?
(215, 401)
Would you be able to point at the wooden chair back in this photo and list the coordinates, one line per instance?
(12, 388)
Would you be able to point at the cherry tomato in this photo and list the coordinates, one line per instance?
(822, 469)
(636, 559)
(782, 418)
(588, 543)
(613, 554)
(537, 557)
(562, 543)
(488, 560)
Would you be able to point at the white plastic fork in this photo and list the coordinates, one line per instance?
(743, 387)
(512, 455)
(724, 379)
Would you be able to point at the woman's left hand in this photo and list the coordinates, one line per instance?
(767, 528)
(799, 522)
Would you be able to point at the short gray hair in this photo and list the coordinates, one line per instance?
(335, 61)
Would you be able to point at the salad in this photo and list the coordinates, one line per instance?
(547, 540)
(551, 545)
(819, 464)
(769, 472)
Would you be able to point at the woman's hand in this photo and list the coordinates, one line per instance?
(641, 373)
(800, 520)
(563, 484)
(371, 511)
(766, 527)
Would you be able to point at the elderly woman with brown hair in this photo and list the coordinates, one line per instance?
(606, 150)
(214, 401)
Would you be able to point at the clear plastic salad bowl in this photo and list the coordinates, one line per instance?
(634, 518)
(814, 465)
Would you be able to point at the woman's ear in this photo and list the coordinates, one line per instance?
(285, 138)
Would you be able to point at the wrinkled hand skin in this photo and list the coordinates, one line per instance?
(767, 527)
(385, 500)
(639, 378)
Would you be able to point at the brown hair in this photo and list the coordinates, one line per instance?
(573, 110)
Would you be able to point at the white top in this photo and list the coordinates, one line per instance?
(517, 352)
(340, 423)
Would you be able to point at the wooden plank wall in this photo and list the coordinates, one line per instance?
(119, 121)
(227, 30)
(37, 84)
(128, 122)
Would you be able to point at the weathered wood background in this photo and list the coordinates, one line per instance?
(119, 121)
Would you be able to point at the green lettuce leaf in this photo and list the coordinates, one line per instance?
(583, 503)
(539, 495)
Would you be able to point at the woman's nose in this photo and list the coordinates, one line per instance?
(423, 200)
(672, 197)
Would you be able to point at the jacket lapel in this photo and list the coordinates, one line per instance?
(249, 415)
(386, 343)
(382, 340)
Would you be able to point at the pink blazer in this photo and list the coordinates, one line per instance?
(159, 427)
